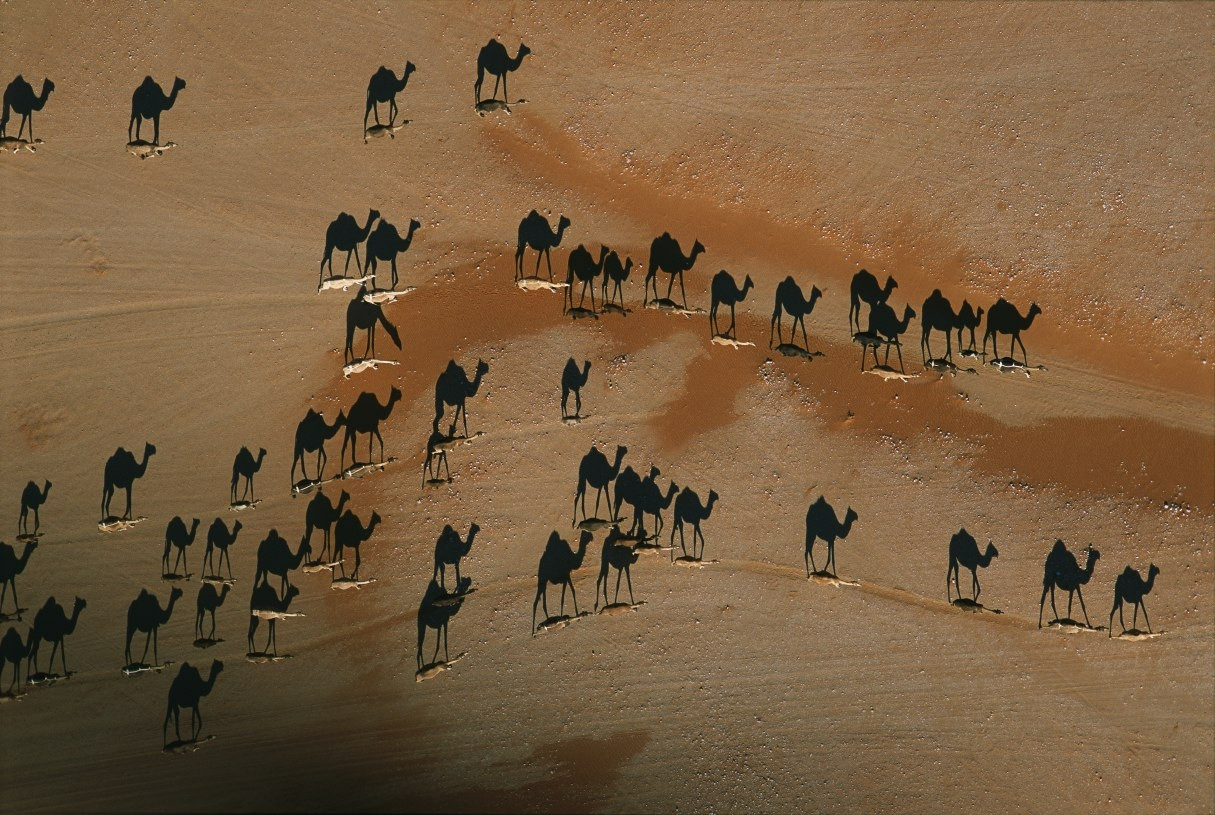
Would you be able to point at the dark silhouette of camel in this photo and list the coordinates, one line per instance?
(1130, 587)
(1062, 571)
(557, 563)
(31, 498)
(789, 299)
(176, 535)
(345, 235)
(628, 491)
(350, 534)
(493, 59)
(364, 417)
(209, 599)
(620, 557)
(311, 434)
(384, 87)
(12, 652)
(534, 231)
(726, 292)
(52, 625)
(584, 268)
(245, 465)
(651, 501)
(964, 551)
(937, 314)
(968, 318)
(274, 557)
(148, 102)
(385, 243)
(187, 690)
(822, 523)
(432, 613)
(453, 388)
(865, 287)
(688, 509)
(616, 273)
(10, 567)
(145, 614)
(1003, 318)
(594, 470)
(265, 598)
(121, 470)
(885, 328)
(449, 550)
(19, 96)
(361, 314)
(572, 381)
(436, 455)
(322, 514)
(218, 537)
(666, 255)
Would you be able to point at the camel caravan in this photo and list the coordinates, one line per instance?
(344, 534)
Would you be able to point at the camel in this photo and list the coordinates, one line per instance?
(311, 434)
(245, 465)
(651, 501)
(10, 567)
(964, 551)
(350, 534)
(265, 598)
(1130, 587)
(435, 614)
(886, 328)
(145, 614)
(384, 87)
(453, 388)
(534, 231)
(385, 243)
(52, 625)
(31, 498)
(615, 555)
(19, 96)
(436, 455)
(218, 537)
(274, 557)
(617, 273)
(449, 550)
(208, 600)
(865, 287)
(148, 102)
(187, 690)
(572, 380)
(789, 299)
(364, 417)
(1003, 318)
(582, 267)
(666, 255)
(822, 523)
(494, 59)
(1061, 570)
(176, 535)
(121, 470)
(556, 565)
(688, 509)
(322, 514)
(937, 314)
(968, 318)
(595, 471)
(13, 651)
(345, 235)
(361, 314)
(726, 292)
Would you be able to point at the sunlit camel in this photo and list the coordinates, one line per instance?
(148, 102)
(964, 551)
(362, 315)
(218, 537)
(19, 96)
(385, 243)
(822, 523)
(557, 563)
(595, 471)
(666, 255)
(178, 537)
(364, 417)
(789, 299)
(145, 614)
(1003, 318)
(494, 59)
(1130, 587)
(726, 292)
(454, 388)
(865, 287)
(572, 381)
(310, 436)
(31, 498)
(690, 510)
(245, 466)
(10, 567)
(121, 470)
(1062, 571)
(344, 234)
(52, 625)
(450, 550)
(187, 690)
(384, 87)
(534, 231)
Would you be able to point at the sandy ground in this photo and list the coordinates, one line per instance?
(1054, 153)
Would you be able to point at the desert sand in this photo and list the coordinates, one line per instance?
(1056, 154)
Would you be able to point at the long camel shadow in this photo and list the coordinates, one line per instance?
(690, 511)
(32, 498)
(186, 691)
(149, 101)
(1130, 587)
(596, 471)
(964, 552)
(19, 98)
(121, 472)
(558, 562)
(1063, 572)
(51, 624)
(11, 565)
(823, 524)
(435, 611)
(146, 615)
(345, 235)
(494, 60)
(383, 88)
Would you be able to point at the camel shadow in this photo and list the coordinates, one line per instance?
(435, 612)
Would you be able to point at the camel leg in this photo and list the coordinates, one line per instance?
(578, 403)
(156, 129)
(127, 517)
(540, 252)
(133, 123)
(563, 585)
(628, 577)
(497, 79)
(732, 330)
(616, 596)
(831, 558)
(1082, 608)
(147, 642)
(810, 547)
(1146, 621)
(1024, 356)
(898, 346)
(805, 339)
(519, 262)
(223, 555)
(195, 716)
(974, 574)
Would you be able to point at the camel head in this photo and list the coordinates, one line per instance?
(586, 368)
(149, 450)
(747, 284)
(563, 224)
(815, 294)
(179, 84)
(908, 316)
(235, 529)
(292, 593)
(47, 87)
(583, 541)
(261, 454)
(409, 69)
(414, 226)
(697, 248)
(620, 453)
(472, 532)
(46, 489)
(174, 595)
(891, 285)
(216, 666)
(1034, 311)
(482, 367)
(372, 524)
(523, 52)
(394, 396)
(992, 551)
(850, 517)
(372, 215)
